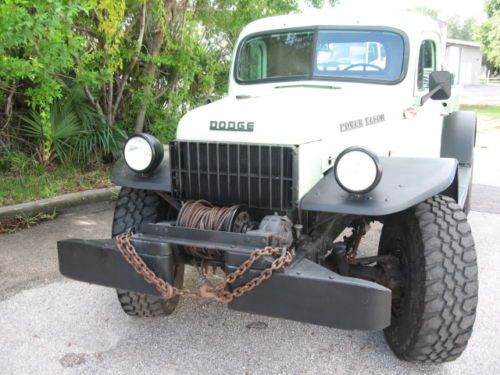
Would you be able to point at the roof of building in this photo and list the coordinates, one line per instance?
(459, 42)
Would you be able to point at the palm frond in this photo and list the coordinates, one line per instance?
(73, 130)
(32, 125)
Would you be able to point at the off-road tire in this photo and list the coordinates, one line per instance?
(435, 316)
(135, 208)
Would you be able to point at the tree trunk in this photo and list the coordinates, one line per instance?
(151, 68)
(149, 76)
(8, 107)
(122, 83)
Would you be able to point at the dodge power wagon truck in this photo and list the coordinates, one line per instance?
(333, 123)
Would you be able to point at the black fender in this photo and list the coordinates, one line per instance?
(405, 182)
(458, 139)
(158, 180)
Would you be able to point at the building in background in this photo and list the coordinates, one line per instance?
(463, 60)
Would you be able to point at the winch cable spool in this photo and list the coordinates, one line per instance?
(206, 216)
(203, 215)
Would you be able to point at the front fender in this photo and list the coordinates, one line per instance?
(405, 183)
(158, 180)
(459, 136)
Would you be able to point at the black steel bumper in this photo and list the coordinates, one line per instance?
(305, 291)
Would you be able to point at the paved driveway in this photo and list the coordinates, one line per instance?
(51, 325)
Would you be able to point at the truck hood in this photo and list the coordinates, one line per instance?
(292, 115)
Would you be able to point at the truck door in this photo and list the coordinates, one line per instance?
(420, 131)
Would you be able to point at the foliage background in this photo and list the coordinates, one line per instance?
(77, 76)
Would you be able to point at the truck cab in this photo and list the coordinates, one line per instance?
(320, 82)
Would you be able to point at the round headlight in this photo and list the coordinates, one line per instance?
(143, 153)
(357, 170)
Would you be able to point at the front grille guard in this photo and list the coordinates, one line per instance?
(258, 176)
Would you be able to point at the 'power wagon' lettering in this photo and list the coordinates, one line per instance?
(362, 122)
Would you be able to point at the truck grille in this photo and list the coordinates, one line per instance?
(258, 176)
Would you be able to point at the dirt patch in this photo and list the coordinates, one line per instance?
(257, 325)
(72, 360)
(486, 124)
(13, 224)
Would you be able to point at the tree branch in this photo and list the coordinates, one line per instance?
(94, 102)
(168, 87)
(110, 100)
(86, 30)
(8, 106)
(133, 62)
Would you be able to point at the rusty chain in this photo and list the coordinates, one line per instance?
(206, 290)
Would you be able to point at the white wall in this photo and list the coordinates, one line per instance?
(464, 62)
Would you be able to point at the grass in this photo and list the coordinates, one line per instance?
(489, 111)
(14, 224)
(488, 117)
(37, 182)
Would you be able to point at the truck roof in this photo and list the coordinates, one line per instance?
(410, 22)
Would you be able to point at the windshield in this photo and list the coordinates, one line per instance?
(366, 55)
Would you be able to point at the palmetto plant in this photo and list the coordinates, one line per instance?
(72, 131)
(97, 138)
(98, 141)
(54, 133)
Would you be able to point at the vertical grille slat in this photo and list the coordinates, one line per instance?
(209, 187)
(179, 167)
(249, 174)
(199, 168)
(218, 170)
(270, 164)
(210, 170)
(188, 147)
(228, 161)
(281, 177)
(238, 166)
(260, 173)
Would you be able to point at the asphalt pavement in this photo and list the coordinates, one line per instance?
(52, 325)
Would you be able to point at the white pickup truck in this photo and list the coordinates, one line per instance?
(333, 122)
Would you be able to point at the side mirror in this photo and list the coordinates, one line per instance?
(439, 86)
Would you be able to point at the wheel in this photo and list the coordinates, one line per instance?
(135, 208)
(434, 311)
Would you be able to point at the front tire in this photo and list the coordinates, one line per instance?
(135, 208)
(433, 317)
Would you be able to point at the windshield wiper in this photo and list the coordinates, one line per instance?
(327, 87)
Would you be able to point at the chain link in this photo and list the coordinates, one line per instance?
(206, 290)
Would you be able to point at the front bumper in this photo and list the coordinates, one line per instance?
(305, 291)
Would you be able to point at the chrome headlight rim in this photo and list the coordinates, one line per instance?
(157, 153)
(376, 162)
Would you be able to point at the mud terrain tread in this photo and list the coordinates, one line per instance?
(451, 287)
(445, 307)
(135, 208)
(140, 305)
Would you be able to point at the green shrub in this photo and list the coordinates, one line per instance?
(98, 141)
(53, 134)
(18, 163)
(72, 132)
